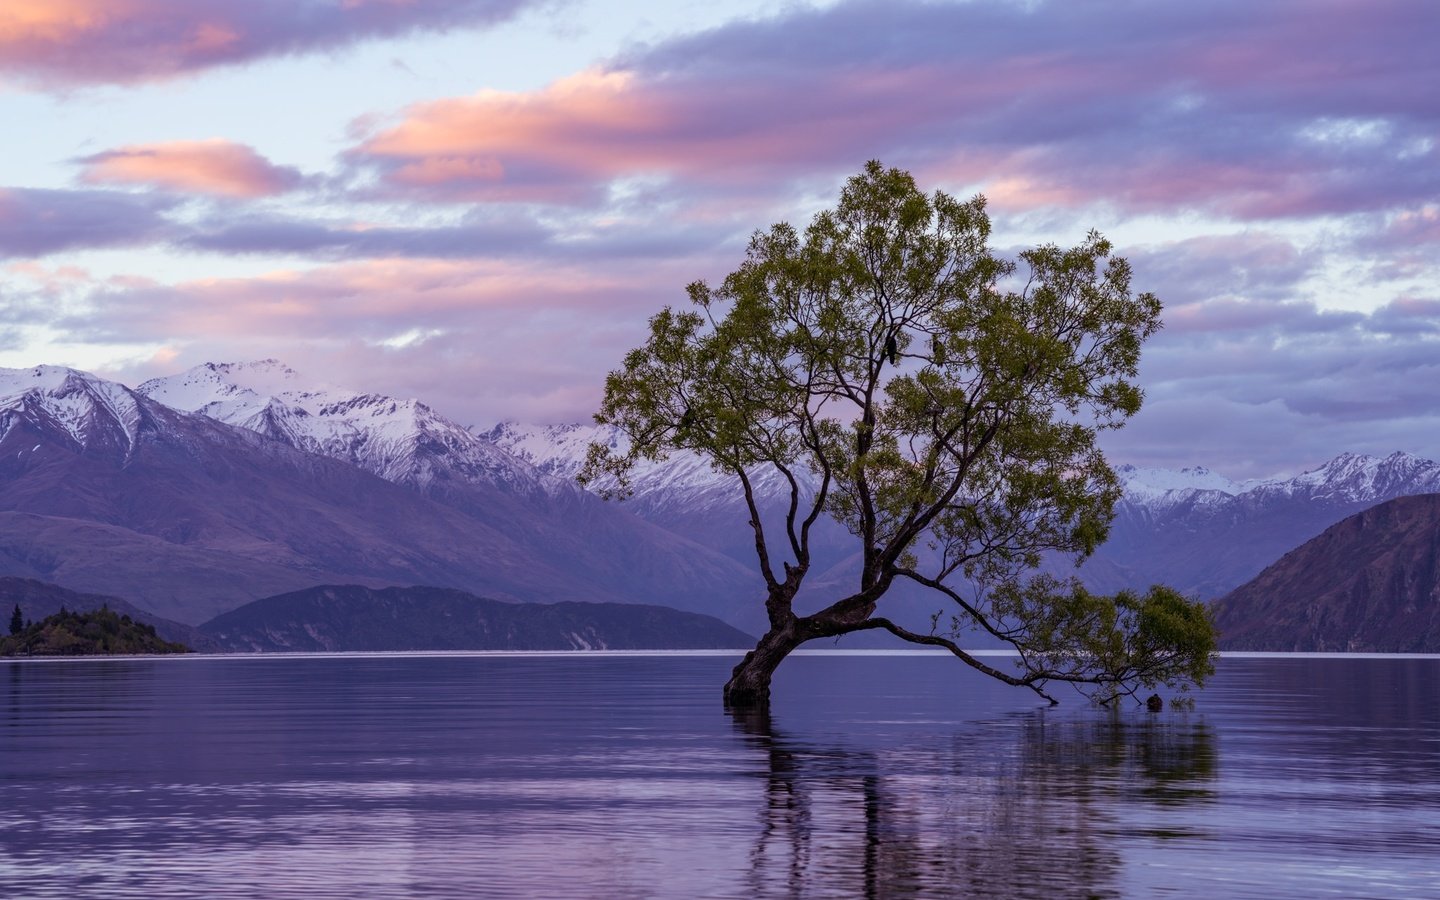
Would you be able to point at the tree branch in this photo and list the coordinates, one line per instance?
(934, 640)
(761, 550)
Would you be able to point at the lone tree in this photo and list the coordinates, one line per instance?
(17, 621)
(941, 403)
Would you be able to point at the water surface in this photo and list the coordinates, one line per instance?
(620, 775)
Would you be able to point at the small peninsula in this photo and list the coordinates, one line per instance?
(100, 632)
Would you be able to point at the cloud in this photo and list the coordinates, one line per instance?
(40, 222)
(36, 222)
(66, 43)
(377, 301)
(327, 240)
(1413, 228)
(479, 340)
(218, 167)
(1252, 266)
(1251, 111)
(1252, 387)
(475, 236)
(571, 141)
(524, 236)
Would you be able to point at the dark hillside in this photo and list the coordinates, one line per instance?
(352, 617)
(1368, 583)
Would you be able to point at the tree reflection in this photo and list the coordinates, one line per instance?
(1031, 806)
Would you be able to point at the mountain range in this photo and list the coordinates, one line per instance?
(106, 489)
(1205, 535)
(1193, 529)
(194, 494)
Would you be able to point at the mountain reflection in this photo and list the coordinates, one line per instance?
(1028, 806)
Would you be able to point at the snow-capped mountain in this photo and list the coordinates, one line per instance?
(105, 488)
(1192, 528)
(1165, 486)
(1349, 477)
(1358, 478)
(403, 441)
(1197, 532)
(90, 411)
(236, 481)
(683, 482)
(408, 443)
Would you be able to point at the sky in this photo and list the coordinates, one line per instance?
(479, 203)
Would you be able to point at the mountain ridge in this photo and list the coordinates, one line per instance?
(408, 443)
(82, 458)
(1194, 529)
(330, 618)
(1370, 582)
(682, 539)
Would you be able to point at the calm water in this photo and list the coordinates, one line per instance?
(610, 776)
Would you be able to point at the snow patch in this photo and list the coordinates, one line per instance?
(1349, 477)
(684, 479)
(83, 405)
(403, 441)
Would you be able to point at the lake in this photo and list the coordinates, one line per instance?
(600, 775)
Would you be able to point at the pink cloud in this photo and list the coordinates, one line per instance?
(484, 339)
(376, 300)
(1238, 109)
(565, 141)
(1415, 227)
(1253, 319)
(59, 43)
(559, 143)
(215, 167)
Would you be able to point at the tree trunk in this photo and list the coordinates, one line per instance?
(749, 684)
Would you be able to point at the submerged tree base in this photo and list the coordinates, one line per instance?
(749, 684)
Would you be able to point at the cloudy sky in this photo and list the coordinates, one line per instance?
(479, 202)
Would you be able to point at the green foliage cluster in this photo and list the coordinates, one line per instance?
(100, 632)
(939, 401)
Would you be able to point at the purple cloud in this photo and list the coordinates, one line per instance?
(60, 43)
(1259, 387)
(1252, 266)
(36, 222)
(475, 236)
(272, 235)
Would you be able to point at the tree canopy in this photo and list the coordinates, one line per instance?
(939, 401)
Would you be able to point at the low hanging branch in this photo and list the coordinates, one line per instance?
(946, 403)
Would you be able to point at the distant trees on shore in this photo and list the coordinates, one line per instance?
(94, 633)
